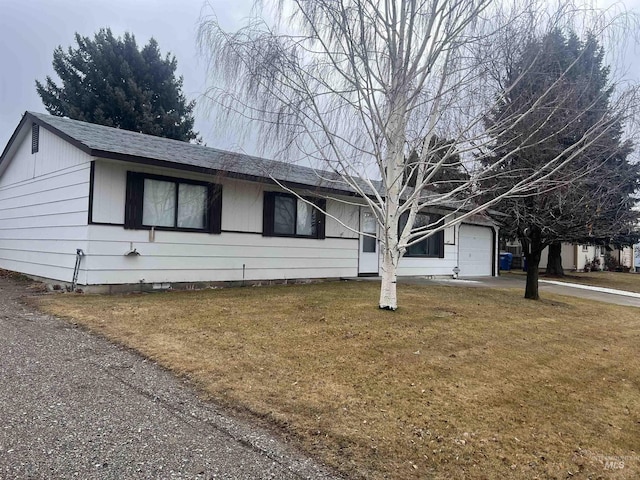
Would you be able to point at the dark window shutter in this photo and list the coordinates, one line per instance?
(268, 211)
(402, 221)
(35, 138)
(214, 193)
(439, 237)
(321, 203)
(134, 197)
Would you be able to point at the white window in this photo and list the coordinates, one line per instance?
(159, 203)
(192, 202)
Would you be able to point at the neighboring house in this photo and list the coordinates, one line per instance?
(148, 210)
(578, 257)
(581, 257)
(624, 256)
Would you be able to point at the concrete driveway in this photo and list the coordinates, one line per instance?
(518, 281)
(75, 406)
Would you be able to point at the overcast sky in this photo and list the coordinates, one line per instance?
(31, 29)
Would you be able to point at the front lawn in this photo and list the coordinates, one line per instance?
(458, 383)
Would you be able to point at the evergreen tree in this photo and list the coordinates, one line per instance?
(110, 81)
(564, 82)
(444, 166)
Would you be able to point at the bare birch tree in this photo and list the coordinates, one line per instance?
(360, 86)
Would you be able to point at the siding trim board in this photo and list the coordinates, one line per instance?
(92, 178)
(108, 224)
(46, 177)
(494, 238)
(334, 237)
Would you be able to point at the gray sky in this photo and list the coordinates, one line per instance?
(31, 29)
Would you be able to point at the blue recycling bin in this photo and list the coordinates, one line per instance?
(506, 259)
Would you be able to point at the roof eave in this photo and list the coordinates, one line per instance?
(110, 155)
(26, 116)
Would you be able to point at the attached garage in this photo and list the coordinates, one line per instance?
(476, 252)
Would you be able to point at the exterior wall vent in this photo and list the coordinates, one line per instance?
(35, 138)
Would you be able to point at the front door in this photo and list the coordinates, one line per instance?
(368, 261)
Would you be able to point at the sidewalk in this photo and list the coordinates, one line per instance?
(601, 294)
(612, 291)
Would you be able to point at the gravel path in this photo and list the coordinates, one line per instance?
(73, 405)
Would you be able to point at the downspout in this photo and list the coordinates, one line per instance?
(456, 269)
(495, 255)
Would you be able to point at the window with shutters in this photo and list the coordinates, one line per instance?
(167, 203)
(286, 215)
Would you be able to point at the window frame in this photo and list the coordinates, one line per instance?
(268, 220)
(134, 203)
(439, 237)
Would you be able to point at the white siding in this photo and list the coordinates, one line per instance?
(22, 166)
(586, 253)
(414, 266)
(567, 252)
(625, 256)
(450, 235)
(109, 189)
(241, 200)
(43, 219)
(190, 257)
(348, 214)
(44, 200)
(242, 206)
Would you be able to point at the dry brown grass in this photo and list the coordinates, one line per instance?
(458, 383)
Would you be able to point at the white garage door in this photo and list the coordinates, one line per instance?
(476, 251)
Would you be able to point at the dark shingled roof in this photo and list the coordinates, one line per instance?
(115, 143)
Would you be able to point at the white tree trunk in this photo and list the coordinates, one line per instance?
(390, 258)
(388, 291)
